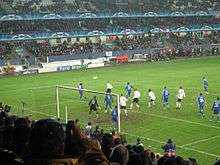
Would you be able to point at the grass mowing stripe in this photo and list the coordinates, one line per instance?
(199, 141)
(41, 113)
(176, 119)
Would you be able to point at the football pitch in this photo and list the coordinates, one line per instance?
(194, 136)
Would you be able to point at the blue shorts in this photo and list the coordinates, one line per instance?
(114, 119)
(201, 107)
(165, 100)
(81, 93)
(216, 112)
(129, 92)
(108, 104)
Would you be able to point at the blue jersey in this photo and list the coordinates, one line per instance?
(114, 115)
(108, 99)
(128, 87)
(216, 107)
(165, 95)
(201, 100)
(169, 147)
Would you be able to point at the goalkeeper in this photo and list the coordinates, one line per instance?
(93, 106)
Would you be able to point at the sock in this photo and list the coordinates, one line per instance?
(126, 112)
(177, 104)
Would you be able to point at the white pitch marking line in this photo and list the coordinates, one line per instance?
(42, 113)
(201, 152)
(199, 141)
(176, 119)
(185, 148)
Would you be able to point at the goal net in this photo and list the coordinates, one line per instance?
(69, 106)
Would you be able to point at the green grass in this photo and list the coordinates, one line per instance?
(194, 136)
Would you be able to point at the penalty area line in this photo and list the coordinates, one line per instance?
(177, 119)
(41, 113)
(199, 141)
(182, 147)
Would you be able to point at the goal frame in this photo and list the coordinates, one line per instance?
(86, 90)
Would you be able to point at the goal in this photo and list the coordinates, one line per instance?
(69, 105)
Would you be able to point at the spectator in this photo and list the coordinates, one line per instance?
(47, 139)
(169, 148)
(88, 130)
(21, 137)
(119, 155)
(217, 162)
(107, 144)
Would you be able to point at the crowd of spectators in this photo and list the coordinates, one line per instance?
(59, 6)
(176, 45)
(29, 142)
(108, 24)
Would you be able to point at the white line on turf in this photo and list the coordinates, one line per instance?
(185, 148)
(201, 152)
(37, 112)
(42, 113)
(199, 141)
(177, 119)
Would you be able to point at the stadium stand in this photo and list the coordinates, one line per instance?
(48, 6)
(91, 28)
(168, 45)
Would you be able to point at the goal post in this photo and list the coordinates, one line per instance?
(58, 98)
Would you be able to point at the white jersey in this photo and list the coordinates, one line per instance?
(123, 101)
(137, 95)
(181, 94)
(151, 95)
(109, 86)
(88, 131)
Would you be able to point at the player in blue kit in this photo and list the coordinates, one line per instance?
(108, 101)
(128, 90)
(115, 116)
(205, 84)
(216, 109)
(201, 104)
(165, 97)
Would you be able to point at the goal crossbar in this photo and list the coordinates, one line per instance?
(86, 90)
